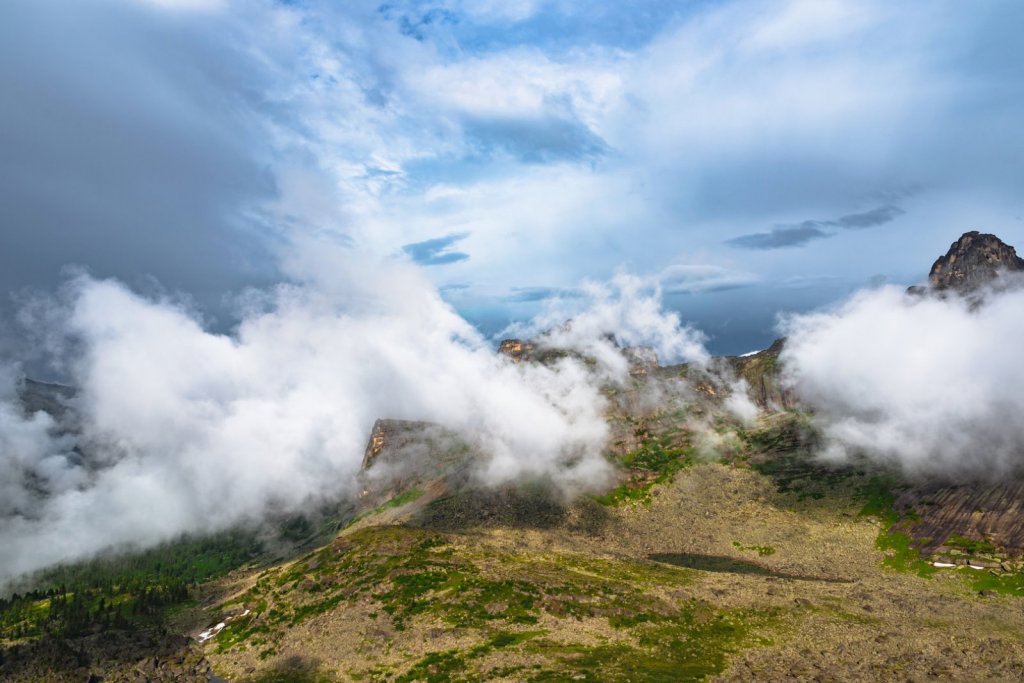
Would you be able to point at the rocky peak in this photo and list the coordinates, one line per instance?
(974, 260)
(516, 349)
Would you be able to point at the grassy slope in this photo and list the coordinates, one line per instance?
(765, 567)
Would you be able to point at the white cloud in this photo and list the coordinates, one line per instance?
(926, 384)
(187, 430)
(624, 312)
(739, 404)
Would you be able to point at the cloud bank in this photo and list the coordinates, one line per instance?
(930, 385)
(601, 318)
(185, 430)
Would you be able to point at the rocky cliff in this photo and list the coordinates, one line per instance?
(973, 261)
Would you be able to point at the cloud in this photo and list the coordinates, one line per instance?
(623, 312)
(134, 157)
(869, 219)
(646, 132)
(696, 278)
(782, 236)
(925, 384)
(200, 429)
(437, 251)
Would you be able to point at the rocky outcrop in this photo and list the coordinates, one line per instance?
(44, 396)
(761, 371)
(984, 513)
(405, 454)
(642, 360)
(390, 440)
(973, 261)
(516, 349)
(113, 656)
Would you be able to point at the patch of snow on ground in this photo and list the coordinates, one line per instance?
(210, 632)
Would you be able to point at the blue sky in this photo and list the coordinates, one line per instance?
(750, 157)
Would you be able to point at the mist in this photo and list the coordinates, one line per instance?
(604, 317)
(182, 430)
(928, 384)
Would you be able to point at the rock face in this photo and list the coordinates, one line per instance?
(405, 454)
(761, 371)
(974, 260)
(42, 396)
(642, 360)
(981, 512)
(516, 349)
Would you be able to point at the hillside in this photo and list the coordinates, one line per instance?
(724, 550)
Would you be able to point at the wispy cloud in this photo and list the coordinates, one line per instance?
(698, 278)
(869, 219)
(782, 236)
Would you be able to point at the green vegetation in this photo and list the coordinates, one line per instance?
(971, 546)
(417, 578)
(901, 554)
(120, 592)
(404, 498)
(455, 665)
(689, 646)
(290, 673)
(1007, 584)
(798, 474)
(762, 550)
(779, 433)
(655, 462)
(398, 501)
(986, 581)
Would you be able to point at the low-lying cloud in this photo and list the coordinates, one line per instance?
(603, 317)
(928, 384)
(184, 430)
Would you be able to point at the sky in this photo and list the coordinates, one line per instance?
(748, 157)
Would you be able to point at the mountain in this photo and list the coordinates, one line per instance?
(723, 549)
(973, 261)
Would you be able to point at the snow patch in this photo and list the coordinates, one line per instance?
(210, 632)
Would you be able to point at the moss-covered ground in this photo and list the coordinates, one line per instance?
(507, 603)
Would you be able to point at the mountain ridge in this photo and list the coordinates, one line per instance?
(723, 549)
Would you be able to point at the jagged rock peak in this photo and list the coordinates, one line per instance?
(972, 261)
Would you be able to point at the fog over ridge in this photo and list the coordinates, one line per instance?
(929, 384)
(191, 431)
